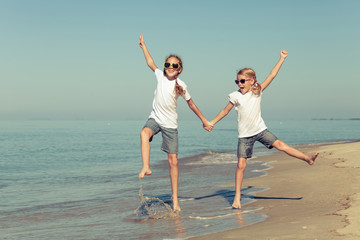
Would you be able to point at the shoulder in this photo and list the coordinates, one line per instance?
(234, 96)
(158, 72)
(180, 82)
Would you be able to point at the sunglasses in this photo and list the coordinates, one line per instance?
(242, 80)
(174, 65)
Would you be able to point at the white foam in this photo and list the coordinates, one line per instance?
(153, 207)
(215, 158)
(212, 217)
(186, 199)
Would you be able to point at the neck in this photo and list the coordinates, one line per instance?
(172, 78)
(244, 91)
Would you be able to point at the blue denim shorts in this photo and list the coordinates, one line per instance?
(245, 145)
(169, 136)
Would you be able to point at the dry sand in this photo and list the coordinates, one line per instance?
(307, 202)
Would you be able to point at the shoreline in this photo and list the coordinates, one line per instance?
(306, 202)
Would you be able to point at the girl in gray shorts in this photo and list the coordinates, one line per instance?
(251, 127)
(163, 118)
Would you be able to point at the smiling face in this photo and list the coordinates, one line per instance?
(246, 86)
(171, 72)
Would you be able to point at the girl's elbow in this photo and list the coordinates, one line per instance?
(192, 106)
(150, 63)
(273, 74)
(224, 113)
(190, 103)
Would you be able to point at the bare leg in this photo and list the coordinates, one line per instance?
(174, 178)
(145, 135)
(281, 146)
(239, 176)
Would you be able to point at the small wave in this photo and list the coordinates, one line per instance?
(263, 170)
(215, 158)
(213, 217)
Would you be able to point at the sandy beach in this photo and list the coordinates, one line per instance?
(307, 202)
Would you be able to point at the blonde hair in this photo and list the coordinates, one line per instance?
(178, 89)
(250, 73)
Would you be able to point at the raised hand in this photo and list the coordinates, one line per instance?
(283, 54)
(141, 41)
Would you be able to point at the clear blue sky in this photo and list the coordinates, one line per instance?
(80, 59)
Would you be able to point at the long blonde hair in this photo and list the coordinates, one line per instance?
(178, 89)
(250, 73)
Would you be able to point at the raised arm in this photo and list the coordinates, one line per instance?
(275, 70)
(222, 113)
(206, 124)
(149, 60)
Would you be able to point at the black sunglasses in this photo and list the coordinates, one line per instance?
(174, 65)
(242, 80)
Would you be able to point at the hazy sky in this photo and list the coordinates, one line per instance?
(79, 59)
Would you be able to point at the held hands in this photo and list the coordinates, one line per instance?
(208, 126)
(283, 54)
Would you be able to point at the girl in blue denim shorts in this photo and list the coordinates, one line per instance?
(251, 127)
(163, 117)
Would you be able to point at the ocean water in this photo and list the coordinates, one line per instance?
(78, 179)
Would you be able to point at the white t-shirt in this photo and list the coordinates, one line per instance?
(248, 108)
(165, 100)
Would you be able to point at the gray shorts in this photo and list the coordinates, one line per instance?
(169, 136)
(245, 145)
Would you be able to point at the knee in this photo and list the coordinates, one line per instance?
(173, 161)
(145, 134)
(241, 164)
(280, 145)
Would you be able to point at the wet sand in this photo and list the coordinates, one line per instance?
(306, 202)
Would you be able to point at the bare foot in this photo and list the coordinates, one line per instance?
(176, 205)
(144, 171)
(312, 158)
(236, 204)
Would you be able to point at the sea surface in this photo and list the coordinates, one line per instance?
(78, 179)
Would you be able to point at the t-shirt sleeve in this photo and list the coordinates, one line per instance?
(187, 95)
(158, 73)
(232, 98)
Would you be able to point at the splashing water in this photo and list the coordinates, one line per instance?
(154, 207)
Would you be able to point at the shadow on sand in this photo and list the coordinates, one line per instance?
(230, 194)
